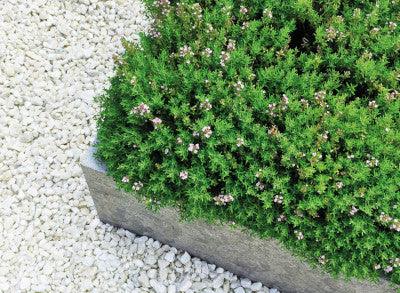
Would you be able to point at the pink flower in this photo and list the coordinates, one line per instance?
(141, 110)
(223, 199)
(388, 269)
(185, 51)
(243, 10)
(224, 58)
(231, 45)
(194, 148)
(271, 109)
(353, 211)
(207, 131)
(156, 122)
(184, 175)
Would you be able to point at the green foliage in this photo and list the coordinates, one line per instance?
(295, 110)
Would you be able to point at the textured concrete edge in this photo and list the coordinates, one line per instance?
(258, 259)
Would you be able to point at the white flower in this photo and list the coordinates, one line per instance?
(137, 186)
(125, 179)
(243, 10)
(206, 105)
(372, 105)
(392, 25)
(339, 185)
(278, 199)
(281, 218)
(207, 52)
(260, 185)
(353, 211)
(238, 86)
(299, 235)
(322, 259)
(268, 13)
(239, 142)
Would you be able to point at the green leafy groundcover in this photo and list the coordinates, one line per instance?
(281, 116)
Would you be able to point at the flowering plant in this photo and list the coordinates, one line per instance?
(279, 116)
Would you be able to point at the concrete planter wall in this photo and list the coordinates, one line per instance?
(234, 250)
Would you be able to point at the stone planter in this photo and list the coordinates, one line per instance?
(234, 250)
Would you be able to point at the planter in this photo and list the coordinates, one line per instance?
(237, 251)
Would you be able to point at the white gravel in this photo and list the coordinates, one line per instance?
(55, 56)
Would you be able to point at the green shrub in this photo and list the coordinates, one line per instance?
(281, 116)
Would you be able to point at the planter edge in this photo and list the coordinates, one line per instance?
(263, 260)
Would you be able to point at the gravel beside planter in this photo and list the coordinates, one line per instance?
(237, 251)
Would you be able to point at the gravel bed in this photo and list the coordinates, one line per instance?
(55, 56)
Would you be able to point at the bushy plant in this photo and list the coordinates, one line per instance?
(281, 116)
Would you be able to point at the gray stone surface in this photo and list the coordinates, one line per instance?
(237, 251)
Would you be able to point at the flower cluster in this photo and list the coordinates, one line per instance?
(137, 186)
(299, 235)
(156, 122)
(231, 45)
(185, 51)
(141, 110)
(207, 52)
(372, 161)
(322, 259)
(224, 57)
(184, 175)
(238, 86)
(206, 105)
(206, 130)
(353, 210)
(278, 199)
(223, 199)
(372, 105)
(260, 185)
(239, 142)
(194, 148)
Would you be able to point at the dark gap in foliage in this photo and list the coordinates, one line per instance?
(363, 92)
(156, 157)
(303, 37)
